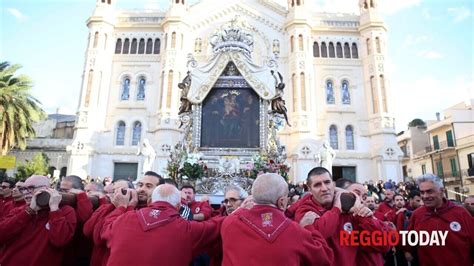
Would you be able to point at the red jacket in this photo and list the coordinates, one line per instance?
(38, 239)
(156, 235)
(385, 213)
(80, 248)
(373, 256)
(201, 207)
(10, 205)
(291, 211)
(264, 236)
(459, 249)
(92, 229)
(331, 223)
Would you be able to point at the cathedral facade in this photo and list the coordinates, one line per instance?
(333, 66)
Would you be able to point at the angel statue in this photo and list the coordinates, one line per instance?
(278, 104)
(185, 103)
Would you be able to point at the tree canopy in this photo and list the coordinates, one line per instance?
(18, 109)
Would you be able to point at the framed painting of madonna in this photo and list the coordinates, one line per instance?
(230, 118)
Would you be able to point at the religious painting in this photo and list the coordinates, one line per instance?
(230, 119)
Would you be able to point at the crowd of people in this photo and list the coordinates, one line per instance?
(155, 222)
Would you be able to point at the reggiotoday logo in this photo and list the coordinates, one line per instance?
(392, 238)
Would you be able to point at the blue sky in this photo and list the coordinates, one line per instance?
(430, 49)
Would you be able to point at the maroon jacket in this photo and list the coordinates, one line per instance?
(201, 207)
(263, 235)
(36, 239)
(10, 205)
(159, 235)
(459, 249)
(332, 222)
(92, 228)
(386, 213)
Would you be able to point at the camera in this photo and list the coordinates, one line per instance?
(124, 192)
(408, 213)
(42, 199)
(347, 201)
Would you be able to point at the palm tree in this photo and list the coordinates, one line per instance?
(18, 109)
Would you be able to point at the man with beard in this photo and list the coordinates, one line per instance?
(402, 222)
(440, 214)
(386, 210)
(145, 187)
(18, 199)
(234, 196)
(33, 234)
(469, 205)
(201, 209)
(263, 235)
(369, 202)
(326, 203)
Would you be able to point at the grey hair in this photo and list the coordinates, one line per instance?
(268, 188)
(242, 193)
(167, 193)
(430, 178)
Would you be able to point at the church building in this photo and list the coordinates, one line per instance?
(333, 66)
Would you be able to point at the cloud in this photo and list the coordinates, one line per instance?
(459, 13)
(391, 7)
(425, 96)
(411, 40)
(426, 14)
(17, 14)
(429, 54)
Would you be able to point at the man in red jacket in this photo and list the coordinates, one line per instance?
(439, 214)
(93, 227)
(201, 209)
(158, 233)
(370, 255)
(263, 235)
(17, 200)
(6, 191)
(35, 235)
(386, 210)
(326, 203)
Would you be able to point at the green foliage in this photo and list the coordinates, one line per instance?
(18, 109)
(416, 122)
(192, 171)
(39, 165)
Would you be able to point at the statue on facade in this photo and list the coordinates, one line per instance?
(149, 152)
(278, 103)
(326, 156)
(186, 105)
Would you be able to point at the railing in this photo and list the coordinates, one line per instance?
(442, 145)
(465, 173)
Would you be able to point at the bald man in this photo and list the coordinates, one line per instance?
(263, 235)
(368, 255)
(33, 234)
(156, 234)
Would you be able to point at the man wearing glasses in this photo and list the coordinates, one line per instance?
(6, 192)
(234, 196)
(18, 200)
(41, 232)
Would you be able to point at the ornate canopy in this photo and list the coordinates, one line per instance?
(232, 42)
